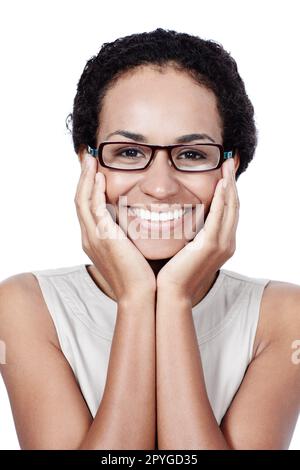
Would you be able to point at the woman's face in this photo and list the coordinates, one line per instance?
(161, 107)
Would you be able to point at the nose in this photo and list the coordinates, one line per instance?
(161, 177)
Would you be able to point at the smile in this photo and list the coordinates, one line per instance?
(157, 216)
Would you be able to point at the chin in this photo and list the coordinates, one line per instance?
(159, 249)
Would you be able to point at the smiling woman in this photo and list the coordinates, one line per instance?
(154, 345)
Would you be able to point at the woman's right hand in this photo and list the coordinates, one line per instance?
(115, 256)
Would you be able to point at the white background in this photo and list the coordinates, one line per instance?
(44, 48)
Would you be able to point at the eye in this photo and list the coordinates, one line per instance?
(192, 155)
(129, 152)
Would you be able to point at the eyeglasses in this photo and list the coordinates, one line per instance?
(131, 156)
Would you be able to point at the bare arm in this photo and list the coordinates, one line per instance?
(47, 405)
(126, 418)
(185, 419)
(264, 411)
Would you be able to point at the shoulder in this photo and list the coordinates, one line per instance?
(23, 308)
(54, 405)
(279, 319)
(264, 412)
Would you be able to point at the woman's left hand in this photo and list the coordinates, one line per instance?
(212, 246)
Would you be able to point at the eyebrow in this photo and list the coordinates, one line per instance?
(183, 139)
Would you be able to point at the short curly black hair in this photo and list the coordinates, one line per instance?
(205, 60)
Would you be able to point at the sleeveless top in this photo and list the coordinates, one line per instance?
(225, 322)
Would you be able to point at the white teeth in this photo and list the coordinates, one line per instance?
(156, 216)
(165, 216)
(153, 215)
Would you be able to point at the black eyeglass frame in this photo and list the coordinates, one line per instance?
(97, 153)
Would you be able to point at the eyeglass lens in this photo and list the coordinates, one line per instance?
(136, 156)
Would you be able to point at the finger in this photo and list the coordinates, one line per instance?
(231, 213)
(84, 233)
(98, 203)
(83, 195)
(98, 199)
(228, 171)
(214, 219)
(105, 223)
(84, 169)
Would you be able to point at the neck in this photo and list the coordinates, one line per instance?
(157, 264)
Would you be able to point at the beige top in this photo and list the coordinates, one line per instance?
(225, 322)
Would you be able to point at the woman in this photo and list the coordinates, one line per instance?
(154, 345)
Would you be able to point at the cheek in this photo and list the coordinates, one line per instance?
(204, 188)
(116, 185)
